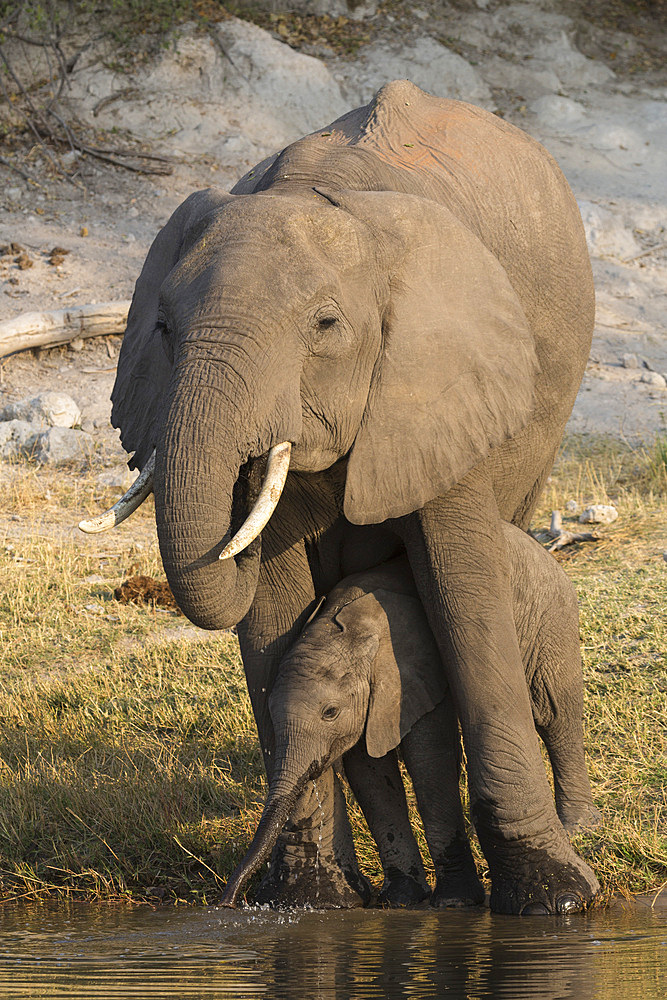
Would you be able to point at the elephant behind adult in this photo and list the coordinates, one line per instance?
(405, 296)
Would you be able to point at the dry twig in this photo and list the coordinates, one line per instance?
(39, 112)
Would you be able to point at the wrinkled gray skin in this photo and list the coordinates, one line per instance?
(368, 662)
(405, 296)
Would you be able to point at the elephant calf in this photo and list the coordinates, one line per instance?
(368, 662)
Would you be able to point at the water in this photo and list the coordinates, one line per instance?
(80, 951)
(319, 841)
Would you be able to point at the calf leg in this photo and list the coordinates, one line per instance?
(378, 788)
(432, 755)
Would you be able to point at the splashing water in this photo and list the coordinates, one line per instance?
(319, 841)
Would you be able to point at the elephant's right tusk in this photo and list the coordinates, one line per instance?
(276, 473)
(135, 496)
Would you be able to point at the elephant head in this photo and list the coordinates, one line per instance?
(366, 663)
(372, 325)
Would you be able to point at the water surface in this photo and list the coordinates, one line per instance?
(81, 951)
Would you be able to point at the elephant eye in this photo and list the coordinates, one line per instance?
(326, 322)
(330, 713)
(330, 335)
(167, 343)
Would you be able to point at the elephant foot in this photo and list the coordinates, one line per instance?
(539, 882)
(578, 816)
(317, 883)
(457, 882)
(401, 889)
(457, 890)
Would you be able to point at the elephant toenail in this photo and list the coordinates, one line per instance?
(534, 910)
(568, 904)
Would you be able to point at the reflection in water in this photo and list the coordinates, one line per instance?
(79, 951)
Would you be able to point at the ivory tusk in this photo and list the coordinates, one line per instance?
(135, 496)
(276, 473)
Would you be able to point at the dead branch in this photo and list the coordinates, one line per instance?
(107, 156)
(17, 170)
(563, 538)
(40, 115)
(45, 329)
(645, 253)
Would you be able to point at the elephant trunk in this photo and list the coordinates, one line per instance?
(203, 446)
(280, 803)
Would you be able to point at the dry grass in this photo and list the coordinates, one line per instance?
(128, 760)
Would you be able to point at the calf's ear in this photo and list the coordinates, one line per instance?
(406, 676)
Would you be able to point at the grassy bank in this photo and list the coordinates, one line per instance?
(129, 767)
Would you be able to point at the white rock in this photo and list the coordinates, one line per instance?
(238, 81)
(571, 506)
(250, 85)
(52, 409)
(623, 142)
(425, 62)
(120, 478)
(655, 379)
(557, 112)
(630, 361)
(356, 11)
(59, 444)
(14, 434)
(572, 67)
(524, 80)
(605, 233)
(599, 513)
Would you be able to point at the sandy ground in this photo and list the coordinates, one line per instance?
(219, 102)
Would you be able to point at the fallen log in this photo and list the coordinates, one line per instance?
(563, 538)
(46, 329)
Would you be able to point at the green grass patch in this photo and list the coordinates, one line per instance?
(129, 764)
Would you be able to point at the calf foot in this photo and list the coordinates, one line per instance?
(403, 889)
(541, 882)
(576, 817)
(462, 889)
(319, 883)
(457, 882)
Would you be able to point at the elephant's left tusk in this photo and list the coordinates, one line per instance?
(276, 473)
(135, 496)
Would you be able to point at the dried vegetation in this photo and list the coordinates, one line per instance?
(129, 765)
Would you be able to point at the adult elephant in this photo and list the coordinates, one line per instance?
(405, 298)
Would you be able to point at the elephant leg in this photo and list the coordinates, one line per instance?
(461, 567)
(432, 755)
(378, 788)
(558, 707)
(308, 863)
(574, 802)
(314, 861)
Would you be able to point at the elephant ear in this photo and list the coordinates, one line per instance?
(143, 367)
(457, 369)
(407, 679)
